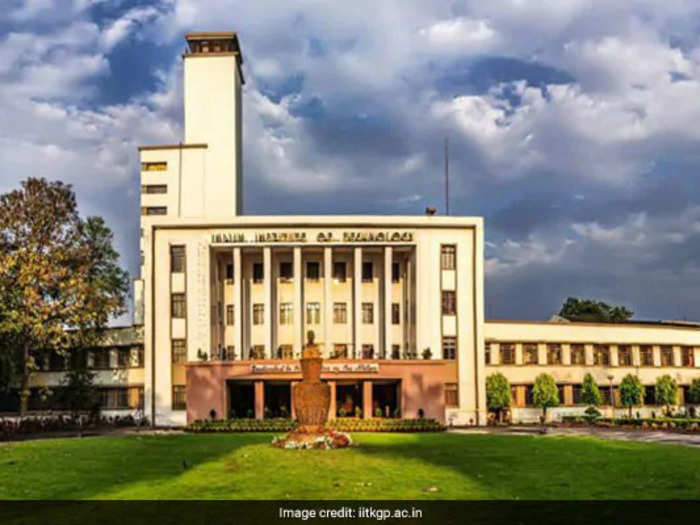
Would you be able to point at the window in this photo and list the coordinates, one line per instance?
(395, 352)
(258, 313)
(286, 271)
(339, 271)
(139, 357)
(601, 355)
(179, 397)
(604, 395)
(258, 272)
(367, 313)
(257, 352)
(177, 259)
(179, 350)
(313, 313)
(228, 353)
(229, 271)
(367, 271)
(367, 351)
(451, 395)
(578, 354)
(687, 357)
(448, 256)
(487, 353)
(154, 188)
(313, 271)
(286, 313)
(340, 352)
(530, 354)
(624, 355)
(230, 318)
(577, 394)
(124, 357)
(649, 395)
(507, 351)
(100, 359)
(154, 166)
(449, 306)
(449, 347)
(395, 313)
(340, 313)
(529, 395)
(666, 356)
(286, 352)
(560, 393)
(178, 306)
(554, 354)
(135, 396)
(395, 272)
(114, 398)
(154, 210)
(646, 355)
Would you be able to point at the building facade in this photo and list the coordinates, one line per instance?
(225, 301)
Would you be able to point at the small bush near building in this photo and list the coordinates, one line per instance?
(11, 429)
(677, 424)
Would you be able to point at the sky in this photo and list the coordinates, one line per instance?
(573, 125)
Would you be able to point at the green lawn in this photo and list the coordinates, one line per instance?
(383, 466)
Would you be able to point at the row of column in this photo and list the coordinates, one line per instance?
(367, 401)
(299, 337)
(589, 350)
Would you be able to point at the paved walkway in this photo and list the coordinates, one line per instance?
(630, 435)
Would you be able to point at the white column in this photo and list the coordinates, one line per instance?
(327, 299)
(238, 305)
(410, 322)
(357, 301)
(388, 259)
(298, 305)
(267, 304)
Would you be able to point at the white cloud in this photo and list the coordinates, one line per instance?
(459, 33)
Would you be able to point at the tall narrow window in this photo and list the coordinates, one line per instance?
(554, 354)
(451, 395)
(258, 272)
(230, 320)
(449, 306)
(340, 313)
(624, 355)
(395, 272)
(367, 271)
(258, 313)
(286, 271)
(313, 313)
(646, 355)
(487, 353)
(179, 351)
(178, 306)
(177, 259)
(339, 271)
(448, 257)
(286, 313)
(340, 351)
(124, 357)
(666, 356)
(578, 354)
(179, 397)
(313, 270)
(507, 351)
(687, 358)
(229, 271)
(367, 313)
(367, 351)
(601, 355)
(395, 313)
(449, 347)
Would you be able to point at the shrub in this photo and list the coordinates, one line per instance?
(665, 391)
(497, 393)
(694, 392)
(631, 392)
(545, 393)
(592, 414)
(590, 394)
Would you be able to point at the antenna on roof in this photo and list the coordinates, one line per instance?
(447, 178)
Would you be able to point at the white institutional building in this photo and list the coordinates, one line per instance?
(396, 303)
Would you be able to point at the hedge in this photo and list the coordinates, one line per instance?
(665, 423)
(342, 424)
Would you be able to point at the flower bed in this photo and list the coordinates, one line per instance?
(666, 423)
(348, 424)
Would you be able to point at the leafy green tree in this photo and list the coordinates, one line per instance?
(497, 393)
(589, 391)
(545, 393)
(631, 392)
(694, 391)
(575, 309)
(79, 393)
(59, 278)
(665, 391)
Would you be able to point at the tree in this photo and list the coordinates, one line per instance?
(497, 393)
(589, 391)
(694, 392)
(79, 392)
(545, 393)
(59, 278)
(590, 310)
(631, 392)
(665, 391)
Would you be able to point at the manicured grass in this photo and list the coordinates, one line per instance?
(383, 466)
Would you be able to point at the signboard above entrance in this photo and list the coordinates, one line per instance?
(328, 368)
(320, 237)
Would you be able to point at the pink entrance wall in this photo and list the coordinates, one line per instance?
(422, 384)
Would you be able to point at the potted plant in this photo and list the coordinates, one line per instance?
(427, 354)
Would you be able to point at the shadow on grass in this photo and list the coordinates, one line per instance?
(548, 467)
